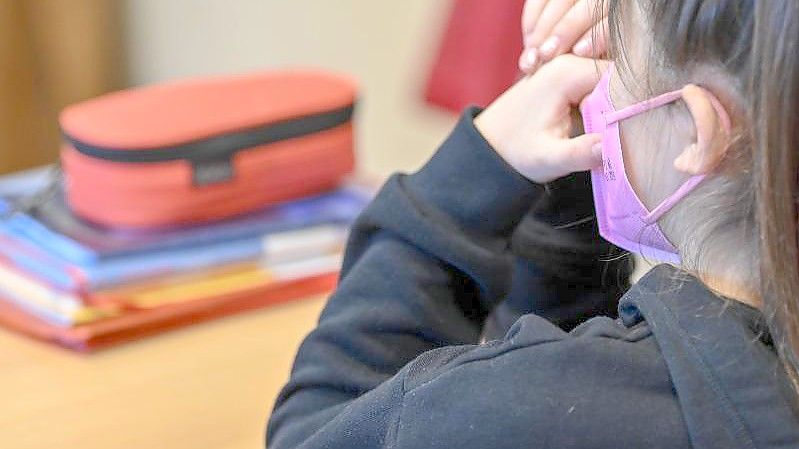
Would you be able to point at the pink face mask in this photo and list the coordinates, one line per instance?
(622, 218)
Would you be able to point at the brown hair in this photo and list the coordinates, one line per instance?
(753, 46)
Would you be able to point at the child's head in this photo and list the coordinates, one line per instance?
(740, 226)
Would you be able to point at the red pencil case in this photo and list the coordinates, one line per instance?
(206, 149)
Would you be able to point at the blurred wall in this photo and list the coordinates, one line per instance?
(387, 45)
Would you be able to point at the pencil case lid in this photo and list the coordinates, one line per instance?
(194, 151)
(165, 116)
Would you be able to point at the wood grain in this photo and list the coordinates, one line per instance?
(207, 386)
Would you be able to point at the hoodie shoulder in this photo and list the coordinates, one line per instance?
(602, 385)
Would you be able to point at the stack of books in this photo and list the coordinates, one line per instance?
(85, 287)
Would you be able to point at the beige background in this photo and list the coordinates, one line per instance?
(213, 385)
(387, 45)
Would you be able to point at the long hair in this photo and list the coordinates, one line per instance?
(754, 44)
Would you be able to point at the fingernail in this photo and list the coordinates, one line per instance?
(522, 62)
(528, 59)
(550, 46)
(582, 48)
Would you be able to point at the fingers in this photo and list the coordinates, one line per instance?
(530, 14)
(555, 27)
(528, 61)
(562, 157)
(538, 19)
(580, 21)
(568, 29)
(553, 11)
(580, 153)
(576, 77)
(593, 43)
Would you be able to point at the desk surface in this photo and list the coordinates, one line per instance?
(207, 386)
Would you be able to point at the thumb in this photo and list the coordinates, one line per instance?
(582, 153)
(580, 76)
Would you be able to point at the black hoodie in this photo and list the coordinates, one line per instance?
(430, 271)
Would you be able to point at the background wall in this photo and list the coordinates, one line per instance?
(51, 56)
(387, 45)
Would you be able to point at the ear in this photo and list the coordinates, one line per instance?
(713, 132)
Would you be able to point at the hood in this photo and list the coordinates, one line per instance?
(732, 388)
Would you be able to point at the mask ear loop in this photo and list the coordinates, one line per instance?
(638, 108)
(693, 181)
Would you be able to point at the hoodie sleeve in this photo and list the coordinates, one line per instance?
(565, 272)
(426, 262)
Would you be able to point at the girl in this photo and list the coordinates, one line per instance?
(691, 141)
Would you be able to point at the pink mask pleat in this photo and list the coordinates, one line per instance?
(622, 217)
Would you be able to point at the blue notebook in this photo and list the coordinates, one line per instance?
(68, 252)
(74, 277)
(52, 225)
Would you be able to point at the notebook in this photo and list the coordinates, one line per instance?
(145, 322)
(50, 224)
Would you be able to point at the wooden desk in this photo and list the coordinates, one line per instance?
(207, 386)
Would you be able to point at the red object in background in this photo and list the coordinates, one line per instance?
(479, 53)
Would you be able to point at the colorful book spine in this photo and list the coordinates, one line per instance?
(41, 300)
(289, 256)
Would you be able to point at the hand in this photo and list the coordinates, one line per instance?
(530, 124)
(554, 27)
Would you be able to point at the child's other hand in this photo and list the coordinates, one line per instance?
(530, 124)
(554, 27)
